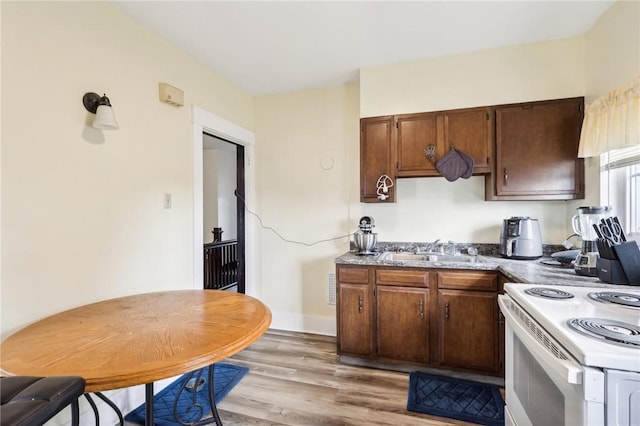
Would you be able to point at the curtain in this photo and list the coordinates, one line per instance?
(611, 121)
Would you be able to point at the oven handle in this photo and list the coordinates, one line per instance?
(568, 370)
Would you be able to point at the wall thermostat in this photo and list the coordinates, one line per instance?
(171, 95)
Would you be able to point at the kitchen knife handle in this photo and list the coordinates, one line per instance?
(622, 236)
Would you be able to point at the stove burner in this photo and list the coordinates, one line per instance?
(612, 331)
(617, 298)
(548, 293)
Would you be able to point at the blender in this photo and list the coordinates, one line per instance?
(365, 239)
(583, 224)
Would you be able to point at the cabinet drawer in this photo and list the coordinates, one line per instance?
(402, 277)
(353, 275)
(468, 280)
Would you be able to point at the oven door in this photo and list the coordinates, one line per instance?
(544, 385)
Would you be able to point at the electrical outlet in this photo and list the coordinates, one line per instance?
(167, 200)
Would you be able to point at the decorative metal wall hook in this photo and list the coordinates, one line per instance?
(430, 150)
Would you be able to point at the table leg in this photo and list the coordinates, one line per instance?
(94, 407)
(148, 406)
(212, 399)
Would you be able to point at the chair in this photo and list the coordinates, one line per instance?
(31, 401)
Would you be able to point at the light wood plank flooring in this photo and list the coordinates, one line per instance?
(295, 379)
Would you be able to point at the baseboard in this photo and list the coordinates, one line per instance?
(304, 323)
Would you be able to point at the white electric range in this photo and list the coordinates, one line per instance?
(572, 355)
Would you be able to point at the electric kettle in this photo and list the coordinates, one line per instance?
(520, 238)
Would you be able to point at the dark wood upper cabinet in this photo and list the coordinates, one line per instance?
(527, 151)
(377, 156)
(537, 151)
(469, 130)
(415, 133)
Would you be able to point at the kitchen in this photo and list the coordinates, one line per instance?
(98, 186)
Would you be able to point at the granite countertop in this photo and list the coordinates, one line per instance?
(520, 271)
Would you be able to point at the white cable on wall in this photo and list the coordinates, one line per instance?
(286, 240)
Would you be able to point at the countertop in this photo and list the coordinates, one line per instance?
(519, 271)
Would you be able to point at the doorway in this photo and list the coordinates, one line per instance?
(207, 122)
(223, 214)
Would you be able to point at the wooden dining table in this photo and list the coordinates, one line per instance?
(137, 339)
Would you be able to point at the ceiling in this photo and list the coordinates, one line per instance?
(268, 47)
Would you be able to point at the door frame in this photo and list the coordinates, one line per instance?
(207, 122)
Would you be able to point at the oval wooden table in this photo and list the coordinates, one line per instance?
(137, 339)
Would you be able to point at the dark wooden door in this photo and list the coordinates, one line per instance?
(471, 131)
(403, 323)
(377, 156)
(415, 133)
(537, 150)
(468, 329)
(354, 319)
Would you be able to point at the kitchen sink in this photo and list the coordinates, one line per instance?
(427, 257)
(405, 256)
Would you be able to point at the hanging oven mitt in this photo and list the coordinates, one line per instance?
(470, 163)
(452, 165)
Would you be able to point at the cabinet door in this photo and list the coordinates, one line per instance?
(415, 133)
(471, 131)
(469, 329)
(354, 319)
(377, 156)
(537, 151)
(402, 323)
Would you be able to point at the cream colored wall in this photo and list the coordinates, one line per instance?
(613, 49)
(306, 174)
(430, 208)
(82, 211)
(612, 61)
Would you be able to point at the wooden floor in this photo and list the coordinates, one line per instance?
(295, 379)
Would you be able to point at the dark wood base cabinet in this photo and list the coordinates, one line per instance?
(446, 319)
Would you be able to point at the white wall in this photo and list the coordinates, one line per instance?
(82, 209)
(306, 178)
(210, 163)
(219, 184)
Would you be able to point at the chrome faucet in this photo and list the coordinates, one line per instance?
(430, 246)
(450, 248)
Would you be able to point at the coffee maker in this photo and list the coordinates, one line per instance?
(365, 239)
(587, 261)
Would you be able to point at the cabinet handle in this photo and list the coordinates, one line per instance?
(360, 304)
(505, 176)
(446, 311)
(421, 308)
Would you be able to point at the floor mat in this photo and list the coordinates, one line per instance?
(455, 399)
(225, 377)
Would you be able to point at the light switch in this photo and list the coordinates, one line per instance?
(167, 200)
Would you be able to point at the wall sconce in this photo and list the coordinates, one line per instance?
(101, 107)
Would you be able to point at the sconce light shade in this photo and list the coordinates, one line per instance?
(101, 107)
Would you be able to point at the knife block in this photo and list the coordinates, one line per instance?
(628, 255)
(610, 271)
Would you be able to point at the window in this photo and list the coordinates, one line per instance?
(620, 185)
